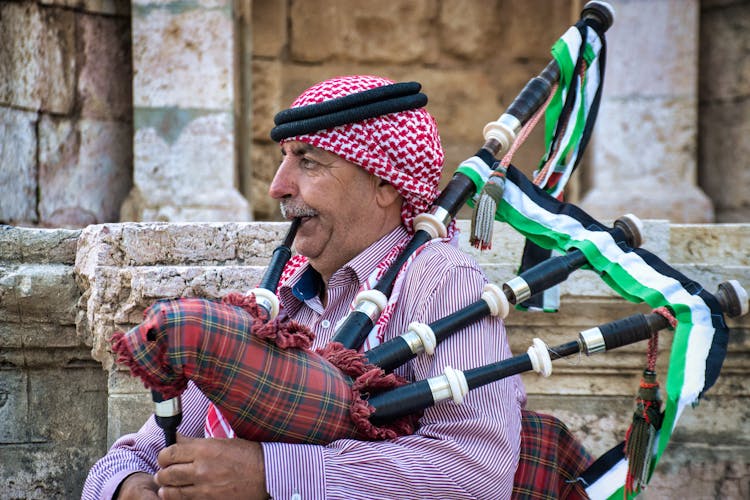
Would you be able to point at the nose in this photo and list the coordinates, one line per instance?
(283, 184)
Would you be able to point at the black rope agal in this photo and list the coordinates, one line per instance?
(348, 109)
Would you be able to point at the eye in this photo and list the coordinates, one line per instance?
(308, 163)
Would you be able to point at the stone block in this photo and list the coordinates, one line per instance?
(668, 34)
(184, 166)
(265, 160)
(266, 98)
(31, 292)
(76, 158)
(127, 413)
(41, 246)
(701, 471)
(529, 29)
(654, 139)
(37, 50)
(722, 152)
(14, 405)
(56, 434)
(718, 244)
(269, 27)
(18, 158)
(152, 244)
(183, 55)
(665, 132)
(723, 55)
(43, 333)
(107, 7)
(394, 32)
(105, 79)
(466, 26)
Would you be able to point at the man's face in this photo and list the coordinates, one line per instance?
(336, 200)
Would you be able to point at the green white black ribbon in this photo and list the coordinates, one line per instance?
(701, 336)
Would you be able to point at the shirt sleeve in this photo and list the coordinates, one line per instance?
(460, 451)
(137, 452)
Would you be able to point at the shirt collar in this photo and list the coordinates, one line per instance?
(305, 283)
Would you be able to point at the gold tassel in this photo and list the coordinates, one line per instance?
(483, 216)
(641, 436)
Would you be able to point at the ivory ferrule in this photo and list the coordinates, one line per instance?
(592, 341)
(371, 302)
(268, 301)
(168, 408)
(504, 131)
(496, 300)
(431, 223)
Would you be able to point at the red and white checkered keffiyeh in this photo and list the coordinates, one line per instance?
(401, 148)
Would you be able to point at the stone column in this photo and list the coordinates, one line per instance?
(183, 100)
(644, 152)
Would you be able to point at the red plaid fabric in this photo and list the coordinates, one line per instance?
(551, 460)
(266, 393)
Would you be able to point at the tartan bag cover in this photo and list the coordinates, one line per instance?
(267, 393)
(551, 460)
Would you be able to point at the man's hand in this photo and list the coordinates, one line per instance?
(212, 468)
(140, 485)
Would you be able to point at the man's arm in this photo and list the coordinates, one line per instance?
(138, 452)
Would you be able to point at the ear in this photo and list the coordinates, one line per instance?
(386, 195)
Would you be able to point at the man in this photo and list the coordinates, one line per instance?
(356, 187)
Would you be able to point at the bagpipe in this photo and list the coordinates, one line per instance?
(261, 374)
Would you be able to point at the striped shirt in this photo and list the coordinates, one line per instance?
(466, 451)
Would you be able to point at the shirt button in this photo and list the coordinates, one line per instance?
(325, 323)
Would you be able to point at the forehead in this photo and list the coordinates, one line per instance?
(302, 148)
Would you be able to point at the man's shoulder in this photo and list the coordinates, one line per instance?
(444, 256)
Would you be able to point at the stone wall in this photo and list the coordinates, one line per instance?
(53, 395)
(65, 111)
(63, 292)
(169, 103)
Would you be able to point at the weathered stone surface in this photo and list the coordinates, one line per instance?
(182, 56)
(653, 139)
(127, 413)
(34, 292)
(265, 160)
(266, 98)
(105, 78)
(664, 131)
(528, 29)
(18, 174)
(724, 66)
(269, 27)
(109, 7)
(723, 155)
(54, 433)
(117, 268)
(717, 244)
(75, 158)
(465, 26)
(392, 32)
(27, 245)
(184, 167)
(669, 34)
(37, 57)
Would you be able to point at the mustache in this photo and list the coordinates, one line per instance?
(291, 209)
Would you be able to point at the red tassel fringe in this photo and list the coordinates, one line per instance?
(368, 378)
